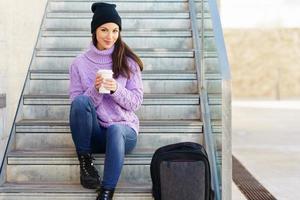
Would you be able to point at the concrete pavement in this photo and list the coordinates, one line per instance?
(266, 139)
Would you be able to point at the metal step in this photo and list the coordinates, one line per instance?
(46, 134)
(171, 21)
(127, 14)
(146, 75)
(150, 86)
(34, 134)
(43, 191)
(150, 63)
(57, 82)
(214, 84)
(160, 82)
(151, 141)
(214, 99)
(125, 33)
(62, 166)
(133, 42)
(149, 126)
(211, 65)
(154, 107)
(85, 6)
(37, 134)
(149, 99)
(146, 112)
(152, 53)
(164, 107)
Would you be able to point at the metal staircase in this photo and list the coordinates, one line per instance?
(40, 160)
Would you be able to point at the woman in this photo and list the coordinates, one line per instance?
(105, 123)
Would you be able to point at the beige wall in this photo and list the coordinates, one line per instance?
(262, 39)
(19, 26)
(264, 62)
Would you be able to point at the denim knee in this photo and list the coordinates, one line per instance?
(116, 132)
(122, 136)
(80, 102)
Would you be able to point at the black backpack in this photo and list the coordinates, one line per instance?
(181, 172)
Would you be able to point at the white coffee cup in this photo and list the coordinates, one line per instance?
(106, 74)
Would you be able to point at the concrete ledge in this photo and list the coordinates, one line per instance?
(2, 100)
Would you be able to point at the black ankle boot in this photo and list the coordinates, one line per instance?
(89, 177)
(105, 194)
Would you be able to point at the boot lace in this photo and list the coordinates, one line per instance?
(88, 165)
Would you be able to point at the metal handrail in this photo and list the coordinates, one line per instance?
(23, 89)
(219, 39)
(205, 111)
(226, 99)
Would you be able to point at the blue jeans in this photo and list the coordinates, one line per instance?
(89, 137)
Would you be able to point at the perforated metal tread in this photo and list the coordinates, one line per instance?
(249, 186)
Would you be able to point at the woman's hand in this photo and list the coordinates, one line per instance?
(110, 84)
(98, 81)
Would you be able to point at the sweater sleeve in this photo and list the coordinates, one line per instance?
(130, 97)
(76, 87)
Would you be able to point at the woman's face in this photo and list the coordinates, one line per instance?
(107, 34)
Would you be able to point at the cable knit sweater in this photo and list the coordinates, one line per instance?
(116, 108)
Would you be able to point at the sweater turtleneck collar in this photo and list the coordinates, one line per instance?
(99, 57)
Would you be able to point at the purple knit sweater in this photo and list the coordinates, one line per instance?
(116, 108)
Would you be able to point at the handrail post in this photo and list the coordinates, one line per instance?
(205, 111)
(2, 115)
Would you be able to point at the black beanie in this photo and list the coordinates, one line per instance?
(104, 13)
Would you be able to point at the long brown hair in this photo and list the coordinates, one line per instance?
(120, 55)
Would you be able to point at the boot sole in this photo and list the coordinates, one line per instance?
(90, 185)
